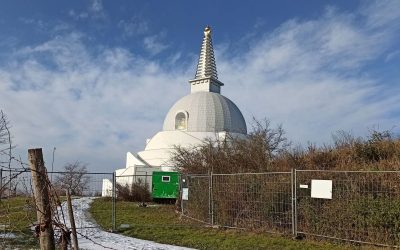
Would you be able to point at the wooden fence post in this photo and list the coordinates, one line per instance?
(72, 221)
(41, 192)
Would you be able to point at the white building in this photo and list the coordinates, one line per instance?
(204, 113)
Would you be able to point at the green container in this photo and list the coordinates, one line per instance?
(165, 185)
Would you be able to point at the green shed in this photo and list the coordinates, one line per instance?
(165, 185)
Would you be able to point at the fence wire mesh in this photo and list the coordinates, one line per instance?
(365, 206)
(134, 187)
(198, 204)
(256, 201)
(18, 210)
(260, 201)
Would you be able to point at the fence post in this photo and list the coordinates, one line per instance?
(43, 206)
(10, 186)
(210, 197)
(182, 181)
(114, 187)
(292, 191)
(295, 203)
(72, 221)
(1, 182)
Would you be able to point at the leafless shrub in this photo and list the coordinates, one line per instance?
(5, 141)
(255, 153)
(74, 178)
(137, 191)
(247, 200)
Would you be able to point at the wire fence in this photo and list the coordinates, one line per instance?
(255, 201)
(133, 187)
(17, 213)
(355, 206)
(197, 206)
(18, 216)
(364, 206)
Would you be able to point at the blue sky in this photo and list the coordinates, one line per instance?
(96, 78)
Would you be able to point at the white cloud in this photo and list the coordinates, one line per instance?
(94, 11)
(381, 13)
(90, 106)
(78, 16)
(153, 44)
(309, 76)
(392, 55)
(95, 107)
(97, 6)
(133, 27)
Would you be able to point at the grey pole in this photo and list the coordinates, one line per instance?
(52, 166)
(1, 182)
(295, 203)
(292, 184)
(211, 199)
(10, 185)
(113, 201)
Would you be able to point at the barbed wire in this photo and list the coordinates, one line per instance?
(10, 212)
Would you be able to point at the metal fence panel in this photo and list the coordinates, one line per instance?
(94, 189)
(144, 180)
(365, 206)
(198, 204)
(260, 201)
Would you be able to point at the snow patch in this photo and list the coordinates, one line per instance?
(91, 236)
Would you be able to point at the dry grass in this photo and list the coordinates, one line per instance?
(367, 209)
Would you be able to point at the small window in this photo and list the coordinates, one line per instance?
(165, 179)
(180, 121)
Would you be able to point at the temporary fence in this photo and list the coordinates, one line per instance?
(356, 206)
(142, 180)
(198, 206)
(132, 188)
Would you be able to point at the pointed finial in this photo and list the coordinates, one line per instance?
(206, 66)
(206, 78)
(207, 31)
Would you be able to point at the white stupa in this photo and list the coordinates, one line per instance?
(202, 114)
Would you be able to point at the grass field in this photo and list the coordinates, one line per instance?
(16, 216)
(162, 224)
(158, 223)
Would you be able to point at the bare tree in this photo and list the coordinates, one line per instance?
(256, 153)
(5, 141)
(6, 155)
(74, 178)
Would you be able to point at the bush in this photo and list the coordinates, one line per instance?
(366, 206)
(138, 192)
(256, 153)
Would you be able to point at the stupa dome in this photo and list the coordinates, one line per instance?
(205, 112)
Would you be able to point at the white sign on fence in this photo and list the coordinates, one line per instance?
(185, 194)
(321, 189)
